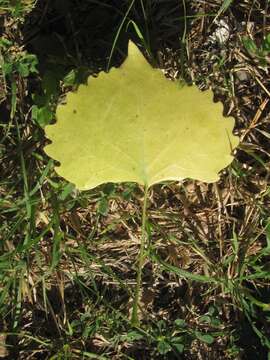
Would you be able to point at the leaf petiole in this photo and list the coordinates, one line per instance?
(135, 318)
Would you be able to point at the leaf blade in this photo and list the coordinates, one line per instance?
(133, 125)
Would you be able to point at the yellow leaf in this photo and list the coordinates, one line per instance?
(134, 125)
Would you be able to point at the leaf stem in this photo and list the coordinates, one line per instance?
(134, 318)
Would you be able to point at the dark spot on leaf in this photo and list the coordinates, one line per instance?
(74, 111)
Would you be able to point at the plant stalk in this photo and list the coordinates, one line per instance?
(134, 318)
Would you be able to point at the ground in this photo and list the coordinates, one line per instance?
(68, 259)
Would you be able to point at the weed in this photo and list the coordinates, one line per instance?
(260, 53)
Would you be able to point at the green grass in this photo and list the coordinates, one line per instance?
(68, 258)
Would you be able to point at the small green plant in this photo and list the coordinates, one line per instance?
(262, 52)
(16, 8)
(43, 109)
(23, 65)
(132, 125)
(174, 340)
(14, 64)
